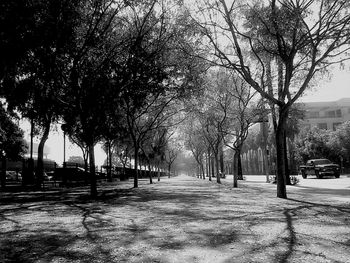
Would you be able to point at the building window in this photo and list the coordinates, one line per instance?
(330, 114)
(338, 113)
(322, 126)
(336, 125)
(313, 114)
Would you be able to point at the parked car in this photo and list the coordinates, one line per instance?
(320, 167)
(69, 175)
(13, 176)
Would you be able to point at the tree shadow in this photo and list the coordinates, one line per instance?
(124, 223)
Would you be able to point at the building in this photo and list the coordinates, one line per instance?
(326, 115)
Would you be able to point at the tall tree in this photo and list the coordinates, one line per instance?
(240, 113)
(171, 153)
(99, 41)
(305, 37)
(12, 145)
(33, 82)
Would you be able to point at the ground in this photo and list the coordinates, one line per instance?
(181, 219)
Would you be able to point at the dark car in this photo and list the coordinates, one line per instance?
(320, 167)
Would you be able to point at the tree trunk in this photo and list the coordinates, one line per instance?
(210, 165)
(3, 172)
(207, 169)
(235, 170)
(203, 169)
(239, 164)
(109, 170)
(217, 166)
(150, 173)
(40, 161)
(136, 172)
(93, 183)
(281, 184)
(222, 159)
(158, 174)
(286, 161)
(86, 163)
(212, 159)
(28, 177)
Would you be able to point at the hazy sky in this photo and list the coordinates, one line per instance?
(330, 90)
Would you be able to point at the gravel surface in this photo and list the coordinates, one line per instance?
(182, 219)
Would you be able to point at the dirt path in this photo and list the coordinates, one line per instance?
(181, 219)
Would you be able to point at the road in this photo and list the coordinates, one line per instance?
(326, 189)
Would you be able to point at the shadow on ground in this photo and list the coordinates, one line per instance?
(176, 220)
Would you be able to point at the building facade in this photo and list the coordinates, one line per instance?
(326, 115)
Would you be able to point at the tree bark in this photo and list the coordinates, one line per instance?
(150, 172)
(202, 168)
(93, 183)
(209, 165)
(222, 159)
(40, 161)
(28, 177)
(235, 170)
(280, 145)
(158, 173)
(136, 172)
(239, 164)
(109, 170)
(217, 166)
(213, 166)
(288, 182)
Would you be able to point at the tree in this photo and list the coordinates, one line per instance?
(160, 72)
(33, 82)
(75, 135)
(239, 113)
(316, 143)
(171, 153)
(343, 135)
(195, 142)
(305, 37)
(99, 41)
(12, 145)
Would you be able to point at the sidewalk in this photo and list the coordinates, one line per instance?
(182, 219)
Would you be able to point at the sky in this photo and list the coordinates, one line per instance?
(337, 87)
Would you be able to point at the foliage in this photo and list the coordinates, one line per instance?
(295, 40)
(317, 143)
(343, 139)
(12, 145)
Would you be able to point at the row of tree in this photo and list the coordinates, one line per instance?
(277, 48)
(220, 118)
(116, 69)
(110, 71)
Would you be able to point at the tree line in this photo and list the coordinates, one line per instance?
(108, 71)
(278, 48)
(127, 72)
